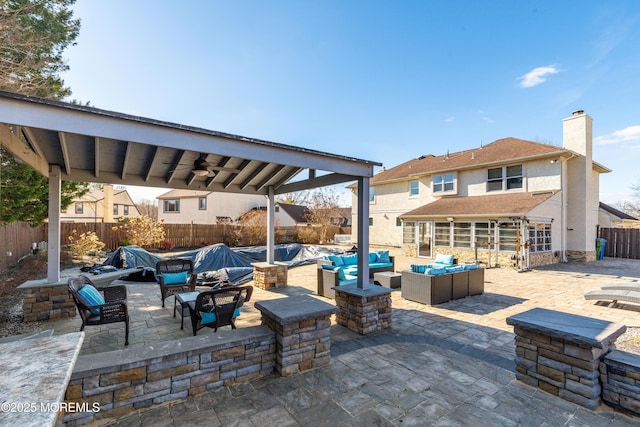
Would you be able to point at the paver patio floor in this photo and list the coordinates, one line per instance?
(450, 364)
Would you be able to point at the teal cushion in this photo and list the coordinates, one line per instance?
(444, 259)
(454, 269)
(418, 268)
(383, 256)
(90, 296)
(341, 274)
(350, 259)
(175, 278)
(210, 317)
(337, 260)
(472, 266)
(329, 267)
(435, 271)
(373, 257)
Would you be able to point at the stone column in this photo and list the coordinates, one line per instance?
(363, 310)
(560, 353)
(303, 332)
(267, 276)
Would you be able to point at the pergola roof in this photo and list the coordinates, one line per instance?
(94, 145)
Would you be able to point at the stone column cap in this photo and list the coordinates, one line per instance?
(295, 308)
(576, 329)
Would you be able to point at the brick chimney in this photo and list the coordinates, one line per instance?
(581, 188)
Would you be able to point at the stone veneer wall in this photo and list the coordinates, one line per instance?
(125, 380)
(47, 302)
(363, 314)
(559, 367)
(581, 256)
(620, 375)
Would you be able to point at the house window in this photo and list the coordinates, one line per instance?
(504, 178)
(79, 208)
(126, 209)
(507, 237)
(202, 203)
(370, 221)
(398, 222)
(408, 232)
(481, 234)
(444, 183)
(414, 188)
(461, 234)
(372, 194)
(223, 220)
(277, 209)
(539, 237)
(171, 205)
(115, 209)
(442, 234)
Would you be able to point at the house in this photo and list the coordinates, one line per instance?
(288, 215)
(609, 216)
(205, 207)
(511, 202)
(101, 204)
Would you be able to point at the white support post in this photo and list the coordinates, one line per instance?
(271, 227)
(363, 233)
(53, 246)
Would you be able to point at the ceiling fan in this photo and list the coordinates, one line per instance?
(201, 167)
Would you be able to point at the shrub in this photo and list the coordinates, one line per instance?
(142, 231)
(307, 235)
(167, 245)
(85, 243)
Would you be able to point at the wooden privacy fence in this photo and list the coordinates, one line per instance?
(15, 241)
(16, 238)
(621, 242)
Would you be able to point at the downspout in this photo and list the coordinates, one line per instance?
(563, 207)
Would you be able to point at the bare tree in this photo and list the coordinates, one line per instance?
(631, 207)
(148, 207)
(298, 198)
(323, 208)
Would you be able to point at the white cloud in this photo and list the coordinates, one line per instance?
(630, 133)
(538, 76)
(449, 119)
(488, 120)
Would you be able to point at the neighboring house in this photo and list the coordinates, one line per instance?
(101, 205)
(511, 201)
(288, 215)
(205, 207)
(609, 216)
(342, 217)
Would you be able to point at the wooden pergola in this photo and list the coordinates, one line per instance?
(68, 142)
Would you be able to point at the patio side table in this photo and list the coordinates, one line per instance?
(388, 279)
(183, 298)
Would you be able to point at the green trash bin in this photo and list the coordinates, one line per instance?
(600, 243)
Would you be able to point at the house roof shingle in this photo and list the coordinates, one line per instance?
(500, 151)
(510, 204)
(297, 212)
(616, 212)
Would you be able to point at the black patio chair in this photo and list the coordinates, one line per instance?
(218, 307)
(174, 276)
(96, 309)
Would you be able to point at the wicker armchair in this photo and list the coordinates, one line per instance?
(169, 287)
(113, 310)
(219, 307)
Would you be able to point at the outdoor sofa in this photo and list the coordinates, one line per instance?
(437, 285)
(337, 270)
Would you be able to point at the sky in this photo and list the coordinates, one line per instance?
(385, 81)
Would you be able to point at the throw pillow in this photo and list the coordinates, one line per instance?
(444, 259)
(350, 259)
(210, 317)
(373, 257)
(337, 260)
(175, 278)
(341, 274)
(383, 256)
(90, 297)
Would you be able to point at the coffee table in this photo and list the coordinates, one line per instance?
(388, 279)
(184, 298)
